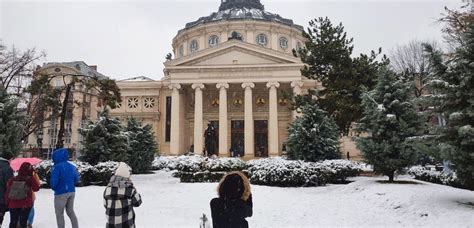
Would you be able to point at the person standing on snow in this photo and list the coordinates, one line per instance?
(19, 195)
(234, 203)
(6, 172)
(120, 197)
(64, 178)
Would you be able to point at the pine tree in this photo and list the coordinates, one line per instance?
(313, 136)
(328, 58)
(143, 146)
(389, 119)
(104, 140)
(11, 123)
(452, 96)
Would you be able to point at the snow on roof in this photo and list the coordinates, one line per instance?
(137, 79)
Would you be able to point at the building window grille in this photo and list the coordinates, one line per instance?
(262, 40)
(283, 43)
(133, 102)
(194, 46)
(149, 102)
(213, 41)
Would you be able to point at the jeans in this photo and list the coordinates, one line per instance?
(31, 216)
(65, 201)
(19, 215)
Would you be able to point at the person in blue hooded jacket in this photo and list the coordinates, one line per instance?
(64, 178)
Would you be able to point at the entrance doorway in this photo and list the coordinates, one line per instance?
(211, 138)
(237, 147)
(261, 138)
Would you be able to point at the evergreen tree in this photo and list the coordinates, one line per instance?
(11, 123)
(328, 58)
(104, 140)
(389, 119)
(143, 146)
(452, 96)
(313, 136)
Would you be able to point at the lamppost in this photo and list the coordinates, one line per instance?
(39, 141)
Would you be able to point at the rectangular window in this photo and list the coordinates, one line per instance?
(68, 132)
(53, 133)
(168, 120)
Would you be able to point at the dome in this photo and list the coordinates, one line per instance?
(242, 10)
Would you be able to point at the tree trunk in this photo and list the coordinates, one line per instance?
(60, 142)
(390, 176)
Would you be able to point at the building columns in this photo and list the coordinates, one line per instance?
(248, 120)
(223, 144)
(296, 85)
(273, 142)
(198, 121)
(175, 124)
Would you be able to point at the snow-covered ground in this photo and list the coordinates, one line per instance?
(363, 203)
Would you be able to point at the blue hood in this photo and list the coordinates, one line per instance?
(60, 155)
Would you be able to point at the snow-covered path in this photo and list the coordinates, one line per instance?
(363, 203)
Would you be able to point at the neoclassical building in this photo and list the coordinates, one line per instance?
(232, 70)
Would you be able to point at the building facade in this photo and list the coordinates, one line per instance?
(232, 76)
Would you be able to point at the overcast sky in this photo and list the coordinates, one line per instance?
(131, 38)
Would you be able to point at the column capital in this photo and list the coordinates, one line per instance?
(297, 84)
(222, 85)
(250, 85)
(198, 86)
(273, 84)
(174, 86)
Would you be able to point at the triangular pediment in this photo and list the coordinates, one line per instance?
(235, 53)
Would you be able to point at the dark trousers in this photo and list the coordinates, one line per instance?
(19, 216)
(3, 210)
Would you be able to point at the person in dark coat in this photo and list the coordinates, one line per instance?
(120, 197)
(6, 172)
(234, 203)
(20, 208)
(64, 177)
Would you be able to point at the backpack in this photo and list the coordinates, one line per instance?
(18, 190)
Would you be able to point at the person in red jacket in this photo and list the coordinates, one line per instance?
(20, 208)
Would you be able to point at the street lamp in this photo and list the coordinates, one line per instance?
(39, 141)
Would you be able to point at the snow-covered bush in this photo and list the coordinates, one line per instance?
(197, 163)
(161, 162)
(90, 175)
(281, 172)
(200, 177)
(338, 170)
(197, 168)
(437, 177)
(284, 173)
(224, 164)
(43, 170)
(99, 174)
(269, 171)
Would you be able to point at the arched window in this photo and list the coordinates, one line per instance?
(283, 43)
(194, 46)
(213, 41)
(181, 51)
(262, 40)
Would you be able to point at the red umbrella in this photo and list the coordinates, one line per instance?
(16, 163)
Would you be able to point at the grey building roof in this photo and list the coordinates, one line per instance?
(137, 79)
(80, 66)
(242, 10)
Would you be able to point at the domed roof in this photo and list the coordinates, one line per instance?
(242, 10)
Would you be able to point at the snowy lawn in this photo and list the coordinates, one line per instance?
(365, 202)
